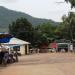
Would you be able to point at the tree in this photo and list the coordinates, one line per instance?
(36, 35)
(21, 28)
(72, 2)
(48, 29)
(44, 33)
(68, 26)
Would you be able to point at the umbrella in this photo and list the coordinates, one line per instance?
(5, 37)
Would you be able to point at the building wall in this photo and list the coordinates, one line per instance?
(27, 49)
(24, 49)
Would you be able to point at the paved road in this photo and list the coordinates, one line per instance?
(42, 64)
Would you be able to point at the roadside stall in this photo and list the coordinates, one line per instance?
(4, 54)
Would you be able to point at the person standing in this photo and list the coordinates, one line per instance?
(71, 47)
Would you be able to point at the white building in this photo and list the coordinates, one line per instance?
(15, 42)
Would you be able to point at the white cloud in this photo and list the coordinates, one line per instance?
(8, 1)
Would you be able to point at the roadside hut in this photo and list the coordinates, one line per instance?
(20, 45)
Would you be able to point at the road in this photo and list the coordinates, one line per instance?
(42, 64)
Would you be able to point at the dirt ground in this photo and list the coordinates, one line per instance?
(42, 64)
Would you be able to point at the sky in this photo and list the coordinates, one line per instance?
(48, 9)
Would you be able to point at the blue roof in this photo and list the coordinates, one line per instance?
(5, 40)
(5, 37)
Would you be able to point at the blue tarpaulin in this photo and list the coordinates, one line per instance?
(4, 38)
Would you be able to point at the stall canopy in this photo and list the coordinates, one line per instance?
(16, 41)
(5, 37)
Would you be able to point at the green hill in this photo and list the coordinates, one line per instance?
(7, 16)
